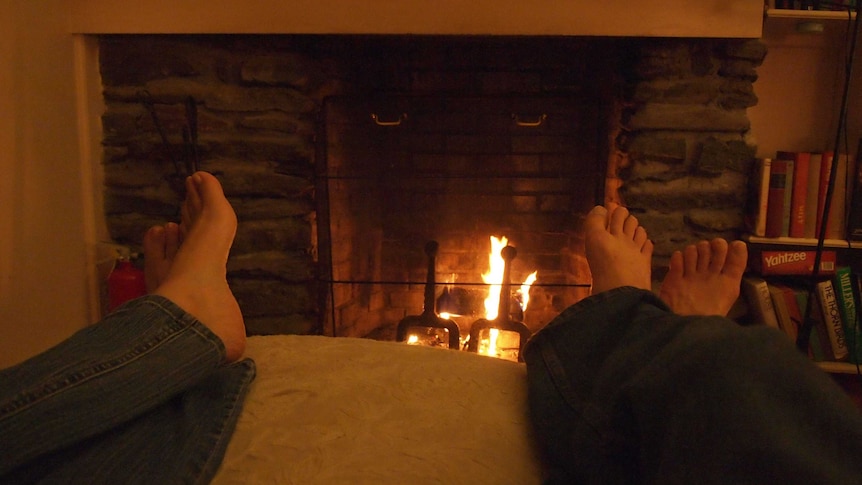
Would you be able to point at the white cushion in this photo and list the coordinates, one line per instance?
(328, 410)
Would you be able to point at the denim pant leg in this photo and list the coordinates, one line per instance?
(142, 394)
(624, 391)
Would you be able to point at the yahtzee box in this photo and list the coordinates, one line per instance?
(793, 262)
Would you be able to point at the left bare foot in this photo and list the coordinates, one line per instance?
(619, 251)
(704, 278)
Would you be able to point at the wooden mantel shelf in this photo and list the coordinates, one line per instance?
(647, 18)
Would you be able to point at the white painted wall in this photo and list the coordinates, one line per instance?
(43, 274)
(799, 89)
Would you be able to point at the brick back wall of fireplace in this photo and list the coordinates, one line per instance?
(678, 151)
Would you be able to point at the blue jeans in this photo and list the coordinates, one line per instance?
(624, 391)
(143, 396)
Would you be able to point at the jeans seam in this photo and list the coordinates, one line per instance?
(26, 399)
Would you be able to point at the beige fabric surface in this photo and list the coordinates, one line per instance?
(328, 410)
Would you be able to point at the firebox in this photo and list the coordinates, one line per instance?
(469, 171)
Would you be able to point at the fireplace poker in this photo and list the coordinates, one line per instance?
(429, 317)
(192, 134)
(147, 101)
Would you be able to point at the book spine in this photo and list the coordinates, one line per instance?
(844, 282)
(791, 300)
(832, 319)
(825, 171)
(760, 301)
(788, 197)
(782, 313)
(799, 194)
(775, 200)
(836, 219)
(763, 169)
(854, 219)
(810, 228)
(820, 347)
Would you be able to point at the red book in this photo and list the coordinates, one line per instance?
(825, 171)
(775, 207)
(814, 164)
(798, 198)
(854, 219)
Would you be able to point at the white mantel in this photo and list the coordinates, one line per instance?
(651, 18)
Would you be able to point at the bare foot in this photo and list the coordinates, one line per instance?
(618, 250)
(196, 275)
(160, 248)
(704, 278)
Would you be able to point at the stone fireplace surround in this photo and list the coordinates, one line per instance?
(676, 150)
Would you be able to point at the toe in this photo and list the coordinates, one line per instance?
(172, 239)
(690, 258)
(703, 256)
(616, 225)
(596, 220)
(718, 255)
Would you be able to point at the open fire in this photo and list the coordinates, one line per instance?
(491, 335)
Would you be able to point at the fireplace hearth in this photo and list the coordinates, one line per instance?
(344, 155)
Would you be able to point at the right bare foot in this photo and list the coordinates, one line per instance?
(704, 279)
(618, 250)
(196, 279)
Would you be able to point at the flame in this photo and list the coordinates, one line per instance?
(494, 276)
(493, 335)
(524, 292)
(494, 279)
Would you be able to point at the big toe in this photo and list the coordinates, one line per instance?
(596, 219)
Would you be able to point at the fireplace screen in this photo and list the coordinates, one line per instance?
(473, 174)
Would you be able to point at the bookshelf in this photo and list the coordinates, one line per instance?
(780, 13)
(847, 253)
(807, 52)
(838, 367)
(804, 242)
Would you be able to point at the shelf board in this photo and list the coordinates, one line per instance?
(799, 241)
(808, 14)
(838, 367)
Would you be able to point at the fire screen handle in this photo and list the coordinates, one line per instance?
(396, 122)
(529, 124)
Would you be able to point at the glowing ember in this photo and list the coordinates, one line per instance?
(502, 344)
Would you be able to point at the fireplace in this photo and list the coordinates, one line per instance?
(345, 155)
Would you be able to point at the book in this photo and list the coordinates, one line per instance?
(836, 220)
(759, 300)
(782, 311)
(792, 262)
(809, 229)
(777, 209)
(825, 172)
(798, 194)
(831, 313)
(761, 189)
(854, 216)
(818, 346)
(795, 307)
(843, 281)
(788, 196)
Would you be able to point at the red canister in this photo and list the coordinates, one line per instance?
(126, 282)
